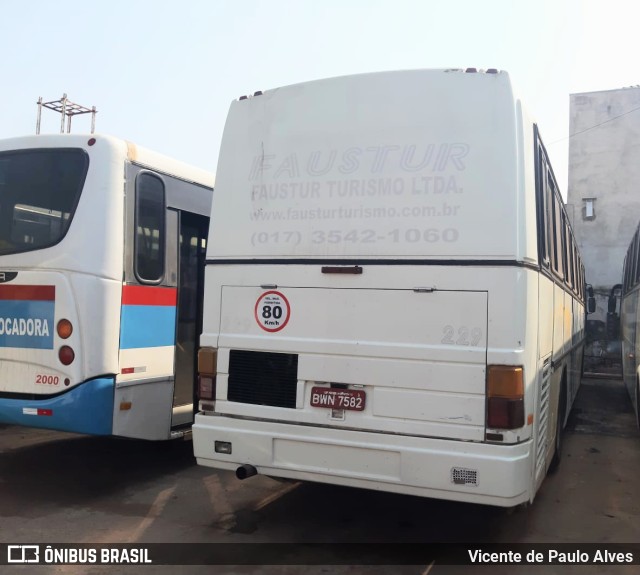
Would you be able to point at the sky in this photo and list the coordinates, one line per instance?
(162, 73)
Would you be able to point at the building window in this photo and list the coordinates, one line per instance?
(588, 208)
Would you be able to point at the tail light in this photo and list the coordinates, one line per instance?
(505, 397)
(66, 355)
(64, 329)
(207, 366)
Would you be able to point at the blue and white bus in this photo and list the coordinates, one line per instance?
(101, 274)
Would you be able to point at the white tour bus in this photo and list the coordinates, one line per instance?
(630, 335)
(393, 295)
(101, 281)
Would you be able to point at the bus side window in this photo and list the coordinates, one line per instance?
(150, 229)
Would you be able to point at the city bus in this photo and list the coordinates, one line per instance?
(102, 249)
(630, 336)
(394, 298)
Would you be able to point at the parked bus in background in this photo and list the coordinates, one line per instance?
(394, 298)
(630, 335)
(101, 279)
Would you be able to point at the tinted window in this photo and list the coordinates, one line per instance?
(556, 232)
(39, 191)
(149, 245)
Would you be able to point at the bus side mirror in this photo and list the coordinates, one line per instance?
(591, 300)
(614, 298)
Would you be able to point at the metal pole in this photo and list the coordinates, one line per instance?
(93, 119)
(64, 112)
(69, 124)
(39, 115)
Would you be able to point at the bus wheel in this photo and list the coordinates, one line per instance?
(557, 456)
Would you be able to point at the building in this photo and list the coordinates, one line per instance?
(603, 196)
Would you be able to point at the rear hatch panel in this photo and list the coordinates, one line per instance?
(419, 356)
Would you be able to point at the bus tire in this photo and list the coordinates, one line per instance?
(557, 455)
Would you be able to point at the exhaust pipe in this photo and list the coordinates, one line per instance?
(245, 471)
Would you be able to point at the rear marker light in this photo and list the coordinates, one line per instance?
(505, 381)
(64, 328)
(125, 405)
(505, 397)
(207, 360)
(66, 355)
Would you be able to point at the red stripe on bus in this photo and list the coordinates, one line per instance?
(47, 412)
(27, 293)
(149, 295)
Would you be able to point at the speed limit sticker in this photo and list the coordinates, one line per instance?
(272, 311)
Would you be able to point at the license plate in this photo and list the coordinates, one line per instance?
(334, 398)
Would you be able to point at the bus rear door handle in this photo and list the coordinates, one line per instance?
(356, 270)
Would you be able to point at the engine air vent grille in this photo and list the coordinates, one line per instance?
(263, 378)
(461, 476)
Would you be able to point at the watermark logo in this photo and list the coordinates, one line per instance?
(23, 554)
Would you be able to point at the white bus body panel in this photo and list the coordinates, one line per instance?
(151, 403)
(308, 174)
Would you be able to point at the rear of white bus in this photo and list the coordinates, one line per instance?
(61, 251)
(369, 267)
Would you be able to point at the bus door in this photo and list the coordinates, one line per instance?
(192, 234)
(144, 386)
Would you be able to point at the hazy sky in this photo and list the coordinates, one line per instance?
(163, 72)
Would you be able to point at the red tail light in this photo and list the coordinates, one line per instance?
(503, 413)
(207, 367)
(206, 387)
(66, 355)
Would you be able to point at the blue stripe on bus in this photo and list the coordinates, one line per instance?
(147, 326)
(86, 408)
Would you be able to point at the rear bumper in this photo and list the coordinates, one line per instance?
(87, 408)
(461, 471)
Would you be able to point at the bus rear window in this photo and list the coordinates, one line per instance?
(39, 191)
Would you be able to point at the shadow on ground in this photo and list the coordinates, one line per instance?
(74, 471)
